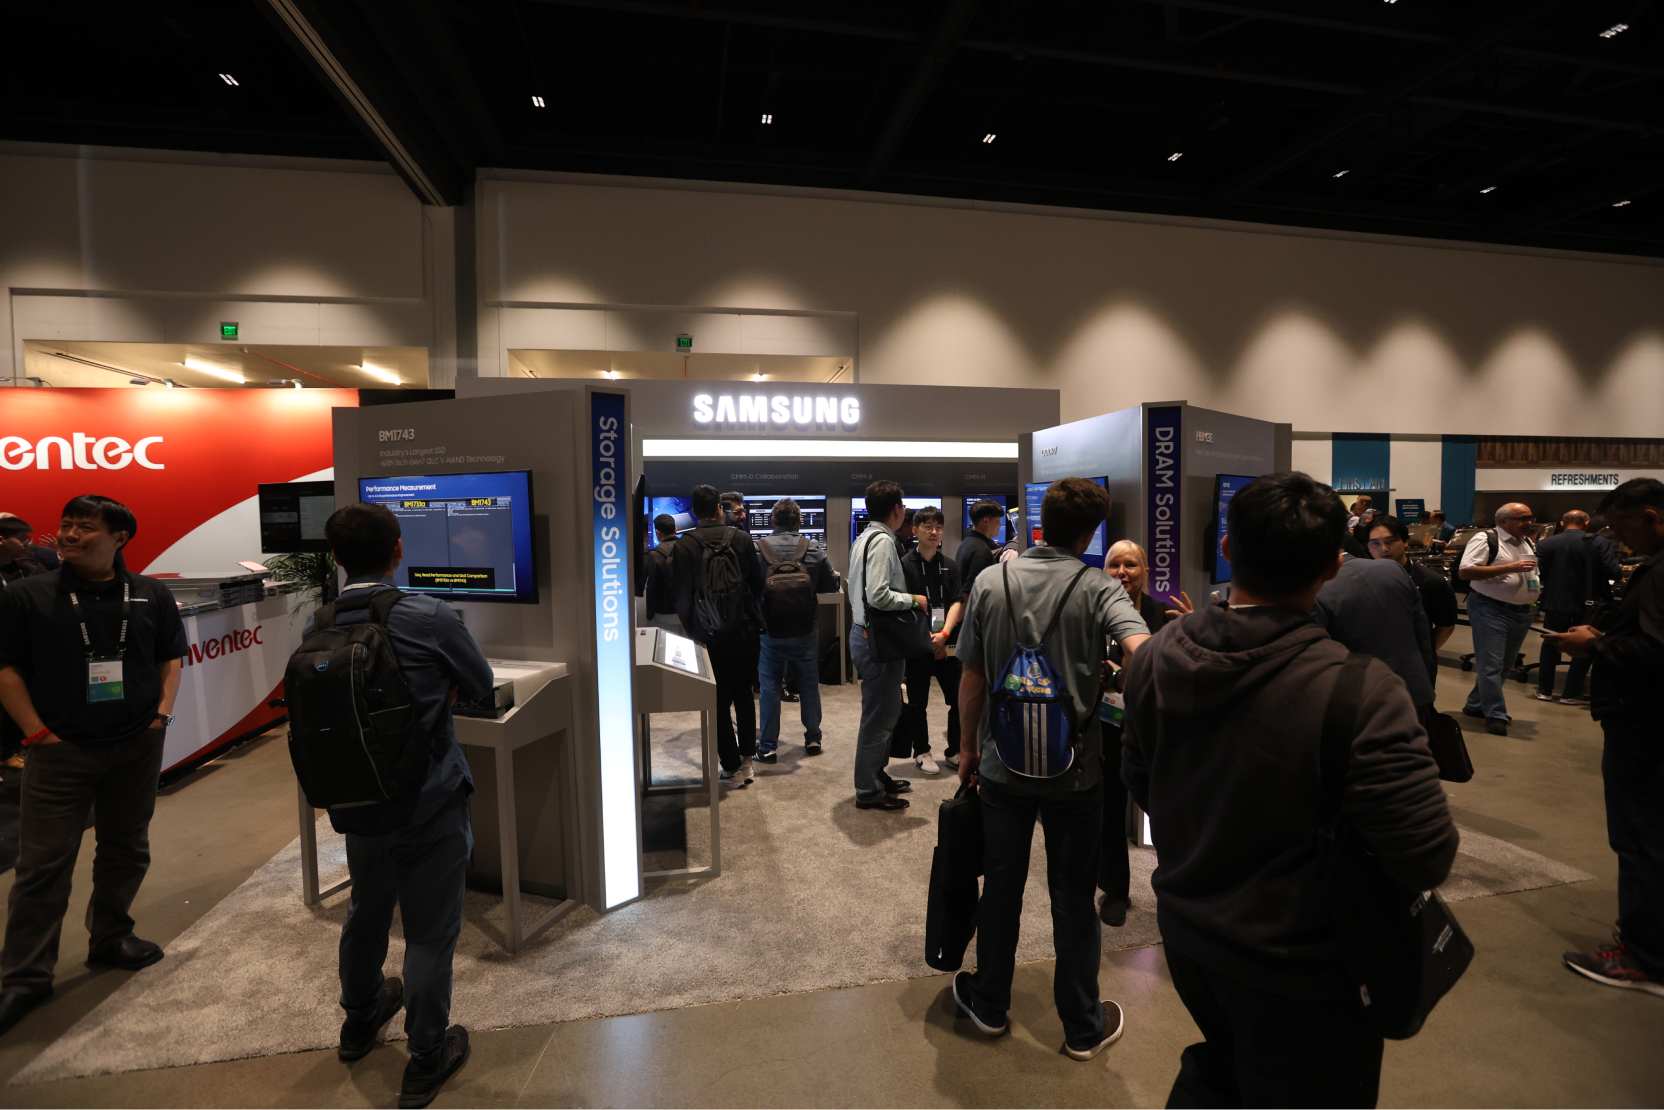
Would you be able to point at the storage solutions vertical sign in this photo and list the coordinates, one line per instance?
(1161, 475)
(614, 706)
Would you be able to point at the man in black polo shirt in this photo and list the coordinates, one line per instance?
(932, 575)
(90, 660)
(978, 551)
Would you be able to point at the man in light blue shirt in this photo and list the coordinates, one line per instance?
(876, 580)
(411, 852)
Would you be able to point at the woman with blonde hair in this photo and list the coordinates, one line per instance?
(1127, 563)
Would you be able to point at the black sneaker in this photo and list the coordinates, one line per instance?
(357, 1039)
(1113, 911)
(1114, 1026)
(987, 1023)
(768, 757)
(788, 696)
(812, 747)
(421, 1085)
(1496, 726)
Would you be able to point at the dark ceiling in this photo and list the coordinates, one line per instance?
(1527, 121)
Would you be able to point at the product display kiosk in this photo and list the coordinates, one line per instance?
(673, 674)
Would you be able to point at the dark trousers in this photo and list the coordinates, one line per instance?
(1633, 767)
(915, 722)
(734, 666)
(1114, 866)
(420, 869)
(60, 782)
(1558, 620)
(1072, 829)
(1264, 1049)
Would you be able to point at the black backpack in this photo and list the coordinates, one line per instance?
(1465, 585)
(659, 590)
(354, 736)
(789, 602)
(719, 600)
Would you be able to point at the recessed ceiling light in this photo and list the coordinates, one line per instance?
(1343, 173)
(1614, 31)
(228, 79)
(1487, 189)
(537, 102)
(988, 138)
(767, 118)
(1620, 204)
(209, 368)
(612, 375)
(377, 372)
(1175, 156)
(756, 377)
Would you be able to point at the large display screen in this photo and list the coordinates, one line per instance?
(759, 513)
(1225, 487)
(1000, 499)
(1034, 493)
(858, 513)
(680, 509)
(467, 537)
(292, 516)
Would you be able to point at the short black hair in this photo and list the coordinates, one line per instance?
(985, 509)
(1436, 512)
(362, 537)
(1285, 530)
(704, 502)
(665, 525)
(733, 497)
(786, 514)
(1634, 497)
(1071, 508)
(1391, 524)
(907, 517)
(882, 498)
(14, 526)
(930, 514)
(116, 516)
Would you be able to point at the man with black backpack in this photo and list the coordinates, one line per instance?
(379, 655)
(1223, 749)
(1032, 653)
(658, 592)
(794, 570)
(1498, 572)
(717, 582)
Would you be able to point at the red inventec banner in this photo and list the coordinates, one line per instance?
(176, 457)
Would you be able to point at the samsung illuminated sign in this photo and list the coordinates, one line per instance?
(776, 410)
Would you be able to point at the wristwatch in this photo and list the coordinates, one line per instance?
(165, 718)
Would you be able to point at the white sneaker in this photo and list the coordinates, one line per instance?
(926, 764)
(735, 778)
(748, 772)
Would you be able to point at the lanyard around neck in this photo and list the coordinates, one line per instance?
(126, 616)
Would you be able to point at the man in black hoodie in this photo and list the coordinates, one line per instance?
(1221, 749)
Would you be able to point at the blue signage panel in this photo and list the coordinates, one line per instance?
(614, 705)
(1161, 513)
(1033, 494)
(1410, 509)
(1225, 487)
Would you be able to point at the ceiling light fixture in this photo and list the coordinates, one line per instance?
(988, 138)
(1487, 189)
(612, 375)
(768, 118)
(1343, 173)
(377, 372)
(210, 368)
(1175, 156)
(228, 79)
(1620, 204)
(756, 377)
(537, 102)
(138, 381)
(1614, 31)
(171, 384)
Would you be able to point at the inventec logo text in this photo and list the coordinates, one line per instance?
(79, 452)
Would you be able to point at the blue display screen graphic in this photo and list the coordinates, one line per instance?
(614, 705)
(1033, 494)
(1225, 487)
(1003, 501)
(679, 509)
(466, 537)
(858, 518)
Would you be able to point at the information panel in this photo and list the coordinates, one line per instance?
(466, 536)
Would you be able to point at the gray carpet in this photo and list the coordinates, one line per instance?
(814, 894)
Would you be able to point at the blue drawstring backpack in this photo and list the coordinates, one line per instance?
(1035, 733)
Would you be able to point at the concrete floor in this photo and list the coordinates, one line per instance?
(1520, 1030)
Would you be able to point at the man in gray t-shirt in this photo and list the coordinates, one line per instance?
(1069, 805)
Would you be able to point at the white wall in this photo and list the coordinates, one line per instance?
(1328, 333)
(300, 251)
(1416, 469)
(1314, 454)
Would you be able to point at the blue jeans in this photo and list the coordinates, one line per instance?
(802, 655)
(1633, 767)
(1498, 632)
(880, 709)
(419, 869)
(1073, 823)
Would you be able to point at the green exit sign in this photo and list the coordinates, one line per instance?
(684, 344)
(228, 330)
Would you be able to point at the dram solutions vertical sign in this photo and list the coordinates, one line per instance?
(1161, 473)
(615, 710)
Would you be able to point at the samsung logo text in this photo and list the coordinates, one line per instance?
(779, 411)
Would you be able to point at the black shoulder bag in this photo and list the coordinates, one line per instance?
(893, 633)
(1402, 948)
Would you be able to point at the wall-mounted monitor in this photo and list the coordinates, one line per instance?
(467, 537)
(759, 512)
(679, 509)
(1225, 487)
(1002, 500)
(292, 516)
(1034, 493)
(858, 512)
